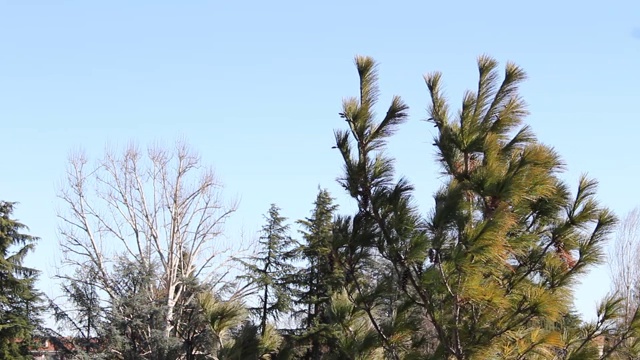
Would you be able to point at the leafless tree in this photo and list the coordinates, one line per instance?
(159, 208)
(624, 262)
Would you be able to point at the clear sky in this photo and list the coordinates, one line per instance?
(256, 87)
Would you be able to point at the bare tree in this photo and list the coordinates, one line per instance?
(624, 262)
(158, 208)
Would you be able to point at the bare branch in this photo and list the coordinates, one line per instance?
(161, 207)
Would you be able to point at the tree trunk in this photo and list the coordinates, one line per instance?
(263, 320)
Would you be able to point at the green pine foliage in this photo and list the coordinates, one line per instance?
(356, 337)
(19, 300)
(487, 272)
(224, 318)
(496, 258)
(192, 326)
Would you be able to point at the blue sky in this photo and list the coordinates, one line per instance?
(256, 87)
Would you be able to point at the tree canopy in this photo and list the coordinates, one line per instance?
(19, 299)
(486, 270)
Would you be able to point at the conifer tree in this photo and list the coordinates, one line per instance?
(370, 287)
(355, 337)
(493, 264)
(134, 323)
(192, 324)
(223, 318)
(322, 276)
(83, 315)
(19, 300)
(270, 269)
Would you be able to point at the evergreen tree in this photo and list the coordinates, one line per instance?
(223, 318)
(192, 325)
(371, 287)
(83, 314)
(321, 277)
(270, 269)
(493, 264)
(134, 326)
(19, 300)
(355, 337)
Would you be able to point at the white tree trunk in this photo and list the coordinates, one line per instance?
(159, 208)
(624, 262)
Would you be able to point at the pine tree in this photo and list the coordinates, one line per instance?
(322, 276)
(19, 300)
(355, 337)
(223, 318)
(493, 264)
(371, 287)
(270, 269)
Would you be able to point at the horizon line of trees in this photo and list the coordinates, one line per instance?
(486, 273)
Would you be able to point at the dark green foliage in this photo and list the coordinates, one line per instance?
(486, 273)
(192, 328)
(84, 317)
(250, 343)
(270, 270)
(134, 324)
(321, 276)
(19, 300)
